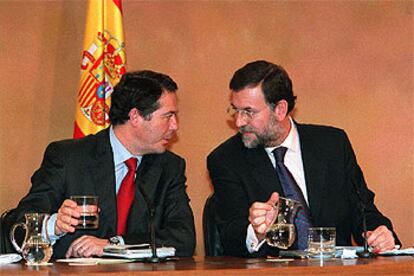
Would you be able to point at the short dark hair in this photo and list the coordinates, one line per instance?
(274, 80)
(141, 90)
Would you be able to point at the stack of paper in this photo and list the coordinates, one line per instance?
(137, 251)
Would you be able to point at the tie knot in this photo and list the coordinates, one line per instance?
(279, 153)
(131, 163)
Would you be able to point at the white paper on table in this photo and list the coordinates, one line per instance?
(121, 252)
(348, 252)
(9, 258)
(92, 261)
(395, 252)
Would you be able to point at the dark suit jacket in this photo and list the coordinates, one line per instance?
(85, 167)
(242, 176)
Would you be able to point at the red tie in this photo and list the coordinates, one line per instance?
(126, 195)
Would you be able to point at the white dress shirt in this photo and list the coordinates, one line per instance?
(121, 154)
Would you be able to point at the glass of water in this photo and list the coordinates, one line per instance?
(321, 242)
(88, 207)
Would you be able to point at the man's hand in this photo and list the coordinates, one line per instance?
(86, 246)
(381, 239)
(67, 217)
(262, 215)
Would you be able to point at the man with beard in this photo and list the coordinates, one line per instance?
(143, 121)
(273, 155)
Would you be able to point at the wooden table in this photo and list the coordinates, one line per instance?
(401, 265)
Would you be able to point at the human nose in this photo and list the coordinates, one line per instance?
(174, 123)
(240, 119)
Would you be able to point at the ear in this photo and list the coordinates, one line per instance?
(134, 116)
(281, 110)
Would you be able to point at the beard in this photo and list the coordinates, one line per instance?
(269, 137)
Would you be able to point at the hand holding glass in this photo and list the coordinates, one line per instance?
(88, 208)
(282, 232)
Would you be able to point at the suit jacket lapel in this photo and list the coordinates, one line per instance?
(147, 179)
(103, 174)
(263, 172)
(315, 170)
(148, 176)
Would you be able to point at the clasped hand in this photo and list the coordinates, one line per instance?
(381, 239)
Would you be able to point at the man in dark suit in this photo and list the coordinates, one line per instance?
(319, 159)
(143, 120)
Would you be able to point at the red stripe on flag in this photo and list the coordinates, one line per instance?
(81, 90)
(85, 93)
(118, 3)
(89, 100)
(77, 132)
(88, 92)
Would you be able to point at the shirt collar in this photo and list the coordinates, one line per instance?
(292, 140)
(121, 154)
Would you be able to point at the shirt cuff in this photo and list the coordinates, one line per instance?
(51, 229)
(252, 242)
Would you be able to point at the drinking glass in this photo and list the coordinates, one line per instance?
(88, 207)
(321, 242)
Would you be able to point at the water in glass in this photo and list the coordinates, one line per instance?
(281, 235)
(37, 251)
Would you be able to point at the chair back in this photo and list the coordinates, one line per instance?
(212, 242)
(5, 244)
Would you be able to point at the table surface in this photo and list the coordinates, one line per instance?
(401, 265)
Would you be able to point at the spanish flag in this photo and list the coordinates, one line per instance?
(103, 64)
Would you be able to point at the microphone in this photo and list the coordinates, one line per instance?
(365, 253)
(151, 209)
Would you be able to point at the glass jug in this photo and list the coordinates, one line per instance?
(36, 248)
(282, 233)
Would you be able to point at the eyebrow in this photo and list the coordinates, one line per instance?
(170, 113)
(246, 108)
